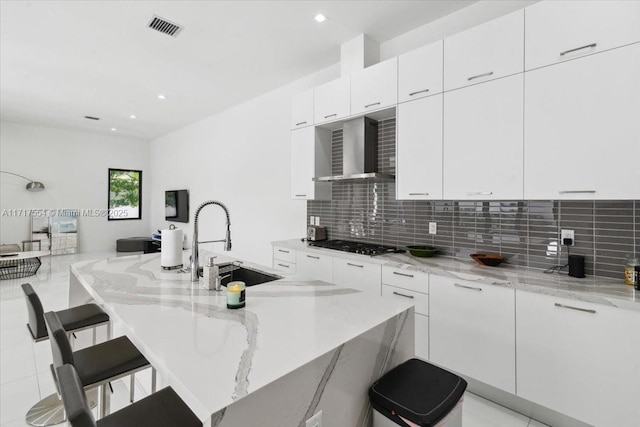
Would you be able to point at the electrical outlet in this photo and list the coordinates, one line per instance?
(312, 220)
(568, 234)
(315, 421)
(433, 227)
(318, 220)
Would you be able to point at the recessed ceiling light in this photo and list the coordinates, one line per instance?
(114, 129)
(161, 96)
(133, 116)
(320, 17)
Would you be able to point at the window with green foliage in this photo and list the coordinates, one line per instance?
(125, 194)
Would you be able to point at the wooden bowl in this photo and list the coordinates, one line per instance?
(491, 260)
(422, 251)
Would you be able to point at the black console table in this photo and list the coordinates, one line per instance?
(138, 244)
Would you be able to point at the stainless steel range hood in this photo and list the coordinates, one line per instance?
(359, 152)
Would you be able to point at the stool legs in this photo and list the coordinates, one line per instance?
(132, 387)
(153, 379)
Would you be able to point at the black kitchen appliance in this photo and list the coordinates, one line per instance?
(576, 265)
(370, 249)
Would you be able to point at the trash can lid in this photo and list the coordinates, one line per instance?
(418, 391)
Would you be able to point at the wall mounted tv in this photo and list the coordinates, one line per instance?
(176, 205)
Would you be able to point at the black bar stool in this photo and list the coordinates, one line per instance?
(98, 365)
(161, 409)
(49, 411)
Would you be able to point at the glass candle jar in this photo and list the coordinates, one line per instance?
(235, 294)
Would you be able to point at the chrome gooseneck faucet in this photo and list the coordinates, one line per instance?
(194, 245)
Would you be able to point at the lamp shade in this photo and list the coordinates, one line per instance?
(35, 186)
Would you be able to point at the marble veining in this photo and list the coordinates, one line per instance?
(214, 356)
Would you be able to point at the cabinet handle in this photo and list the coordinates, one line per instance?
(301, 123)
(331, 115)
(283, 251)
(467, 287)
(419, 91)
(418, 194)
(578, 48)
(577, 191)
(283, 265)
(479, 193)
(301, 195)
(490, 73)
(402, 274)
(402, 295)
(371, 105)
(313, 257)
(355, 265)
(586, 310)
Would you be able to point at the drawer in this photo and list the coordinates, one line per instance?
(420, 300)
(413, 280)
(284, 266)
(284, 254)
(357, 275)
(314, 266)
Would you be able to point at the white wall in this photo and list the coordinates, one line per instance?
(73, 166)
(241, 158)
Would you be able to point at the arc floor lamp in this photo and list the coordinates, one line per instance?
(32, 185)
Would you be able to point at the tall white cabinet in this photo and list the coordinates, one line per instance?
(582, 128)
(310, 158)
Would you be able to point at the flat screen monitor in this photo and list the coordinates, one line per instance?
(176, 205)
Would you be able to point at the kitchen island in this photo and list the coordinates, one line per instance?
(299, 346)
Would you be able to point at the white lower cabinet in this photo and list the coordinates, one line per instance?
(314, 265)
(410, 285)
(284, 259)
(472, 330)
(580, 359)
(357, 275)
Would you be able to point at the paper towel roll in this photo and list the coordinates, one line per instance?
(171, 252)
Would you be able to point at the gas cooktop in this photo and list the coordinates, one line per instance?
(370, 249)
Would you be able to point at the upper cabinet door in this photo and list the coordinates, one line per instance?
(331, 100)
(557, 31)
(486, 52)
(483, 147)
(375, 87)
(420, 72)
(310, 157)
(419, 149)
(302, 110)
(582, 128)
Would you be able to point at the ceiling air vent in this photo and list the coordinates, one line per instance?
(164, 26)
(92, 118)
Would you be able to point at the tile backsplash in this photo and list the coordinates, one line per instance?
(526, 231)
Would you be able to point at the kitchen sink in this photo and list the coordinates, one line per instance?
(231, 272)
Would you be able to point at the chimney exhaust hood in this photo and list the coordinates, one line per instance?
(359, 152)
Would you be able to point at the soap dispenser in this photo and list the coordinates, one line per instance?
(210, 274)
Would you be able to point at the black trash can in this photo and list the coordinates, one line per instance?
(417, 393)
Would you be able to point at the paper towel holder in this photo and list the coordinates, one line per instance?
(171, 250)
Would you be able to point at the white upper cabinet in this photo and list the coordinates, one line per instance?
(486, 52)
(483, 147)
(332, 100)
(302, 110)
(420, 72)
(582, 128)
(310, 157)
(557, 31)
(419, 149)
(375, 87)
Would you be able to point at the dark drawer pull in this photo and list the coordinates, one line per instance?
(578, 48)
(371, 105)
(301, 123)
(283, 265)
(283, 251)
(331, 115)
(586, 310)
(419, 91)
(490, 73)
(402, 274)
(313, 257)
(402, 295)
(355, 265)
(467, 287)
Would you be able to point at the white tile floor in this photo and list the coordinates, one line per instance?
(24, 366)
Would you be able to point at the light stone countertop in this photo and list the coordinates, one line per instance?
(212, 355)
(593, 289)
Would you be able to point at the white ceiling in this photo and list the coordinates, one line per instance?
(62, 60)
